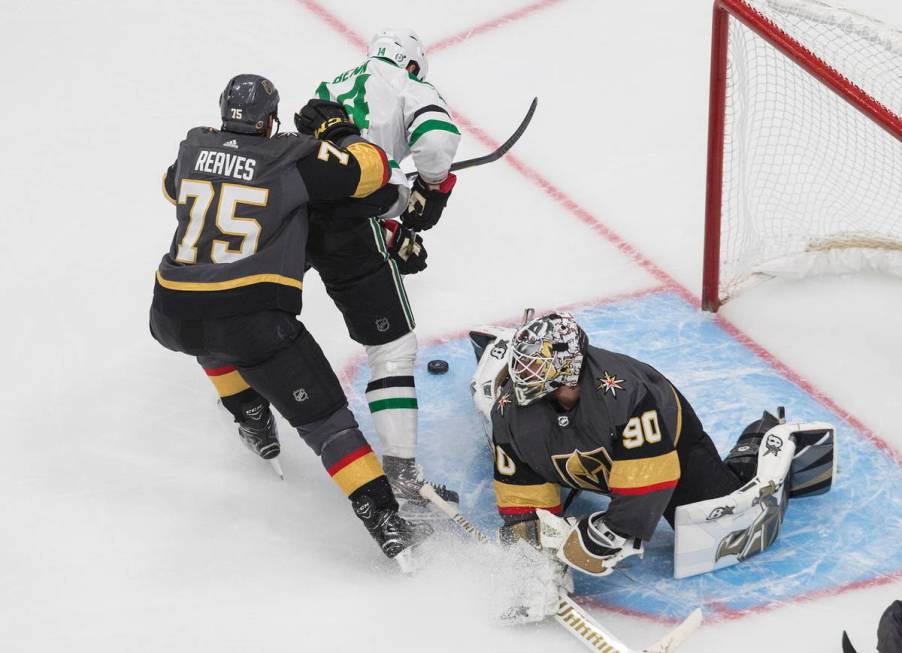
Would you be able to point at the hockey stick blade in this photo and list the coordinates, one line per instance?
(502, 149)
(570, 615)
(678, 635)
(847, 644)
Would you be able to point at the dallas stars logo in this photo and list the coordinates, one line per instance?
(610, 383)
(503, 400)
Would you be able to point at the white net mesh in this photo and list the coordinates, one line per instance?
(810, 183)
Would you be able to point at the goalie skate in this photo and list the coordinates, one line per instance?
(406, 480)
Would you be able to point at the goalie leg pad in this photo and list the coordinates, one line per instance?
(491, 346)
(720, 532)
(814, 463)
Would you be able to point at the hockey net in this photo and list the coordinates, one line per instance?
(805, 144)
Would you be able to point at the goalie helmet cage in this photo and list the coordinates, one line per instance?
(804, 144)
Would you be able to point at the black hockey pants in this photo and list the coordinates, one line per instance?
(703, 475)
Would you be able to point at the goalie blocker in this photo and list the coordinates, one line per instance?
(722, 511)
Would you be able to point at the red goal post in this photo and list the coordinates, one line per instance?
(753, 21)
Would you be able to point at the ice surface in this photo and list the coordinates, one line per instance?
(131, 517)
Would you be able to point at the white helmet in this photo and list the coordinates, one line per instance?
(401, 45)
(546, 353)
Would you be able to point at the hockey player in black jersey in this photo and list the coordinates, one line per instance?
(565, 413)
(361, 263)
(229, 288)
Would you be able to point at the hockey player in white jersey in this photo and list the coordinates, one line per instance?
(389, 99)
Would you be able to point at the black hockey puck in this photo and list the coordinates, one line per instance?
(437, 366)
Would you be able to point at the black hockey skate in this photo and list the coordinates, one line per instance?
(394, 535)
(406, 479)
(257, 430)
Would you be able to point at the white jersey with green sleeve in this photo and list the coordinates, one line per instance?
(401, 114)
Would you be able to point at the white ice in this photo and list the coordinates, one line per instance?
(130, 517)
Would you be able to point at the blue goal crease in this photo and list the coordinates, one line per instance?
(827, 542)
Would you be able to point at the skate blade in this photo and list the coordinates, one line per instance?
(277, 467)
(411, 559)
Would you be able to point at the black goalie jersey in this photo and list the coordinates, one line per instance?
(620, 439)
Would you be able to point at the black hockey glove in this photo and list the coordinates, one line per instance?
(325, 120)
(405, 246)
(425, 205)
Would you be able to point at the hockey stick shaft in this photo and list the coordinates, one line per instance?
(428, 493)
(502, 149)
(570, 615)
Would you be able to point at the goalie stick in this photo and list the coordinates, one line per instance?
(502, 149)
(570, 615)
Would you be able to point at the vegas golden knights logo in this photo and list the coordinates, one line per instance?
(589, 470)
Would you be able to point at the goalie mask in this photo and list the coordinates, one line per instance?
(546, 353)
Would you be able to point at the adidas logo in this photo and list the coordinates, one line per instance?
(231, 143)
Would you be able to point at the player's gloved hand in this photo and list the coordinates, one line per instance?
(405, 246)
(325, 120)
(593, 548)
(426, 203)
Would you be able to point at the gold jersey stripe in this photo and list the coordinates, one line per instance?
(358, 473)
(373, 168)
(546, 495)
(679, 417)
(166, 193)
(645, 472)
(229, 384)
(209, 286)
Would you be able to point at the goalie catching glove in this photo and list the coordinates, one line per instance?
(593, 548)
(325, 120)
(405, 246)
(426, 203)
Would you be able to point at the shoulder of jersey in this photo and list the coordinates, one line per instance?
(285, 142)
(201, 133)
(504, 405)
